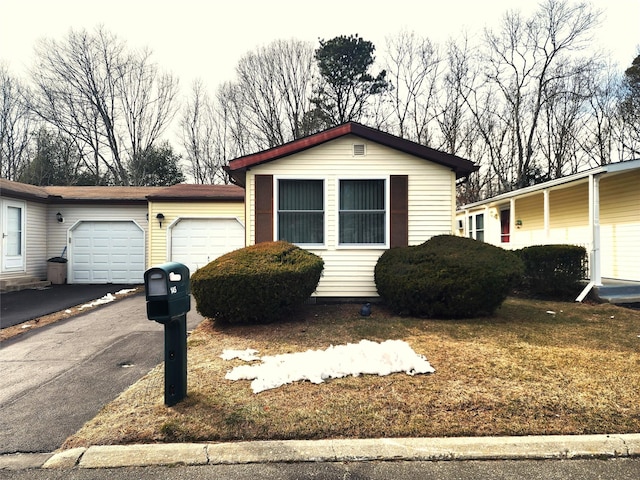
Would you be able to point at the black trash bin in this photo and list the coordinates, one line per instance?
(57, 270)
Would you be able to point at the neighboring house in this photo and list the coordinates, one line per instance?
(106, 233)
(348, 194)
(598, 209)
(194, 224)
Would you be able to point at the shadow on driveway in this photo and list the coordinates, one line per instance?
(25, 305)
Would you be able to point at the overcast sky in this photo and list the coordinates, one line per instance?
(205, 39)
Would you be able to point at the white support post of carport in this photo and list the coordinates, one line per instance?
(594, 229)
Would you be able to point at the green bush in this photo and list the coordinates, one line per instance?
(553, 271)
(447, 277)
(259, 283)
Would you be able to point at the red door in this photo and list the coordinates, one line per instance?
(505, 225)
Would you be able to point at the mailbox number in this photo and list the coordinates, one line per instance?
(174, 290)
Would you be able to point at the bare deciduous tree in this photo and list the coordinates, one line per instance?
(524, 57)
(15, 125)
(597, 135)
(114, 103)
(412, 69)
(275, 83)
(205, 138)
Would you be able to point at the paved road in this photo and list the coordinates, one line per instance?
(57, 377)
(618, 469)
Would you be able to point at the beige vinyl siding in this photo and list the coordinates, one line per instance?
(569, 215)
(530, 210)
(158, 237)
(349, 270)
(348, 274)
(36, 240)
(620, 226)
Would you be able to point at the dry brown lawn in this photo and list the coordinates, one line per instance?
(522, 372)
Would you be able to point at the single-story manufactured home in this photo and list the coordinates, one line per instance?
(598, 209)
(348, 194)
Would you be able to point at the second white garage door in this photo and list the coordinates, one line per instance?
(107, 252)
(198, 241)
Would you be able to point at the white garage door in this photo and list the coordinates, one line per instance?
(198, 241)
(107, 252)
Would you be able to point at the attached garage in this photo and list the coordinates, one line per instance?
(199, 223)
(107, 252)
(198, 241)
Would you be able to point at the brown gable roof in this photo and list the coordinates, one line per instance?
(184, 192)
(22, 191)
(461, 166)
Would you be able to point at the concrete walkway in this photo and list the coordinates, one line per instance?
(295, 451)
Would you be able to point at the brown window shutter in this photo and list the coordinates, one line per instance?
(264, 208)
(399, 186)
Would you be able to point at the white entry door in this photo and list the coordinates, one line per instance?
(198, 241)
(12, 236)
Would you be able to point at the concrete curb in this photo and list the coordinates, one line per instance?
(292, 451)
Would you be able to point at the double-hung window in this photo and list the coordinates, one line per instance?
(362, 212)
(301, 211)
(476, 227)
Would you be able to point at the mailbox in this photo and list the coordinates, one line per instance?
(167, 290)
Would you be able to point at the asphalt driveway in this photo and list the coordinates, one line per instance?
(57, 377)
(25, 305)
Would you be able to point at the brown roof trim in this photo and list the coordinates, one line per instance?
(23, 191)
(461, 166)
(197, 193)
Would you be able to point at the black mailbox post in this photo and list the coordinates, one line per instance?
(167, 291)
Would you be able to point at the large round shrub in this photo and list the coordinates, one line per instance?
(447, 277)
(553, 271)
(259, 283)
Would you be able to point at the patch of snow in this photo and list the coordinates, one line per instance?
(248, 355)
(124, 291)
(551, 312)
(339, 361)
(67, 311)
(101, 301)
(26, 325)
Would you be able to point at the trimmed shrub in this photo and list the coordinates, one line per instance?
(447, 277)
(553, 271)
(256, 284)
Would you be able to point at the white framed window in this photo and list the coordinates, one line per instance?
(476, 226)
(300, 211)
(362, 212)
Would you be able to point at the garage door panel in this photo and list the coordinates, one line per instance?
(196, 242)
(107, 252)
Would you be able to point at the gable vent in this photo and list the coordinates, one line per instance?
(358, 150)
